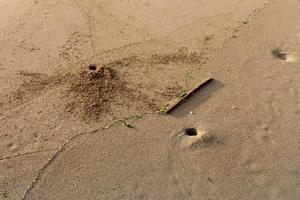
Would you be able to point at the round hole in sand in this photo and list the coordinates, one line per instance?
(92, 67)
(277, 53)
(190, 131)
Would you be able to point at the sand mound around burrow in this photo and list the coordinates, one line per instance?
(87, 92)
(94, 90)
(192, 138)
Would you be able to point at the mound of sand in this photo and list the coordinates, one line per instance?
(94, 90)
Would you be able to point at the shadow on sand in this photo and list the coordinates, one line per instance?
(198, 98)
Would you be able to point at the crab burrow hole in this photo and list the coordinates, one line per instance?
(190, 131)
(92, 67)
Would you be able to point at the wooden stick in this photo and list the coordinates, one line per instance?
(195, 89)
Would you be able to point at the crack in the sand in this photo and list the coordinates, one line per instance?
(247, 19)
(26, 154)
(51, 160)
(63, 147)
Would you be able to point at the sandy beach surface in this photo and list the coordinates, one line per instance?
(83, 85)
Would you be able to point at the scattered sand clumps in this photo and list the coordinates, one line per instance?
(94, 90)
